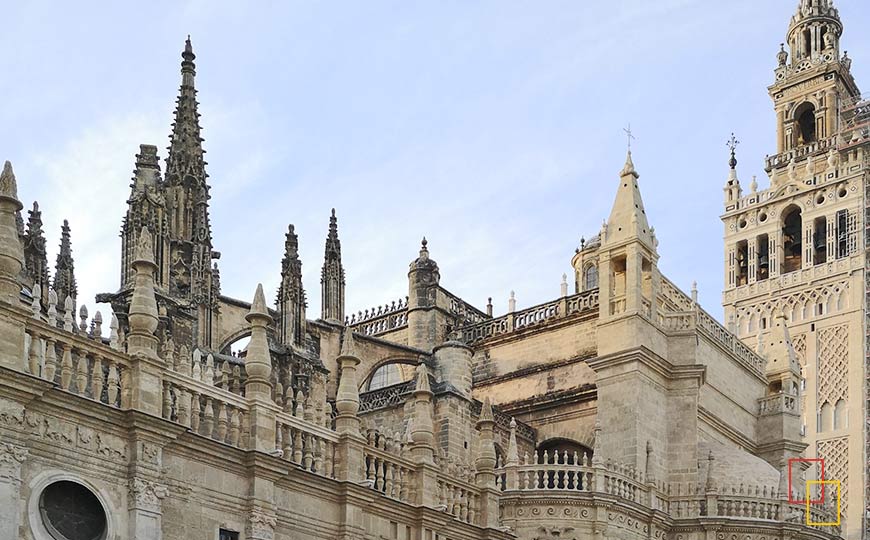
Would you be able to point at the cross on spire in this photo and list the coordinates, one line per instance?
(732, 145)
(629, 135)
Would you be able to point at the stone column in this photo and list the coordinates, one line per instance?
(11, 458)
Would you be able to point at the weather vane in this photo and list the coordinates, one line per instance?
(629, 135)
(732, 145)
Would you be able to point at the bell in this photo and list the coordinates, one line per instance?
(820, 243)
(763, 261)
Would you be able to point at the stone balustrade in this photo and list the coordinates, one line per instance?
(77, 363)
(306, 445)
(583, 302)
(459, 499)
(799, 153)
(207, 410)
(389, 473)
(778, 403)
(389, 396)
(379, 319)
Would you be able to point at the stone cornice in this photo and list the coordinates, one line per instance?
(654, 362)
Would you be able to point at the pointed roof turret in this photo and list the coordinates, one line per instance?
(628, 218)
(64, 268)
(780, 353)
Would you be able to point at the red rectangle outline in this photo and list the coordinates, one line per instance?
(805, 460)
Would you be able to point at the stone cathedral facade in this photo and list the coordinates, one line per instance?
(618, 410)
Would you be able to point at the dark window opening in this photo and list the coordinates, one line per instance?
(70, 511)
(791, 241)
(842, 233)
(820, 241)
(228, 535)
(742, 263)
(806, 118)
(763, 271)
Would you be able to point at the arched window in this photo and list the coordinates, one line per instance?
(792, 231)
(826, 418)
(806, 124)
(590, 277)
(840, 418)
(390, 374)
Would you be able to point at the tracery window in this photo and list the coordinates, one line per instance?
(590, 277)
(70, 511)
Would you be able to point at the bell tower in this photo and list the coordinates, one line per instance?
(794, 250)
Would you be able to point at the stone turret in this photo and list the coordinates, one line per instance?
(426, 321)
(453, 361)
(779, 421)
(11, 252)
(64, 268)
(332, 276)
(291, 294)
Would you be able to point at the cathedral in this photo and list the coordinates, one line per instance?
(619, 410)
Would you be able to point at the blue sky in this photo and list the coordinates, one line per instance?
(494, 128)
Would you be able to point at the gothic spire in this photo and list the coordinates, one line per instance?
(291, 295)
(332, 275)
(185, 164)
(64, 272)
(35, 258)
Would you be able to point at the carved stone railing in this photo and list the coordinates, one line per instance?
(465, 313)
(207, 410)
(678, 322)
(586, 301)
(388, 396)
(386, 470)
(380, 319)
(306, 445)
(710, 327)
(800, 152)
(719, 334)
(778, 403)
(459, 499)
(77, 364)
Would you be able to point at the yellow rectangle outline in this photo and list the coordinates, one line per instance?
(823, 482)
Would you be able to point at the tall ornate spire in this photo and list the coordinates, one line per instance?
(291, 295)
(64, 271)
(11, 253)
(35, 258)
(332, 276)
(185, 164)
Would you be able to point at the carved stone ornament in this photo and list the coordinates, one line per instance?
(11, 457)
(146, 495)
(548, 533)
(262, 524)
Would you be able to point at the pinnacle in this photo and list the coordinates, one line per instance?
(486, 411)
(348, 345)
(628, 168)
(258, 306)
(8, 184)
(145, 246)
